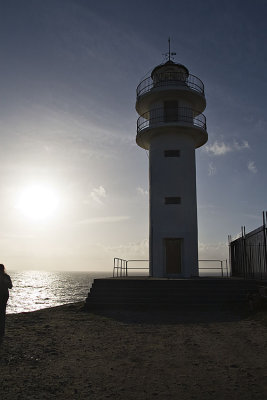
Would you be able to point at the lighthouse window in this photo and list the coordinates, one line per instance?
(172, 200)
(172, 153)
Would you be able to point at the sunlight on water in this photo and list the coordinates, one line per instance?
(33, 290)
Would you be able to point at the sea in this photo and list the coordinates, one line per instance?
(33, 290)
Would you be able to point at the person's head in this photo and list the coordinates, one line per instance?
(2, 268)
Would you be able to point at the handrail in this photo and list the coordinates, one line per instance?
(175, 115)
(121, 268)
(127, 268)
(170, 79)
(217, 268)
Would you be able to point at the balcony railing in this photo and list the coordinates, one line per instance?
(177, 79)
(158, 116)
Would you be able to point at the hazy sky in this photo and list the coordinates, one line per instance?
(69, 71)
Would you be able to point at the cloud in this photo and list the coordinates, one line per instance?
(115, 218)
(252, 167)
(237, 236)
(221, 148)
(215, 251)
(98, 194)
(142, 191)
(242, 146)
(217, 148)
(133, 250)
(212, 169)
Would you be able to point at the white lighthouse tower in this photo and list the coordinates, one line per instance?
(171, 126)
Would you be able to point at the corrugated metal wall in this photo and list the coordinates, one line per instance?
(248, 254)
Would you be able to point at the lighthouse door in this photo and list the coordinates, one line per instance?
(173, 256)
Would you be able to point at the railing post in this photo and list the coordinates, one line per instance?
(222, 267)
(259, 263)
(229, 252)
(243, 252)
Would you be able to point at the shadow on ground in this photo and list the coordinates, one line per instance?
(172, 317)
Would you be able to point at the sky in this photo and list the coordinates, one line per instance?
(73, 183)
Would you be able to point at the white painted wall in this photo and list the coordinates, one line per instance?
(171, 176)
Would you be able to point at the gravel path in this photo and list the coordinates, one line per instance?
(65, 353)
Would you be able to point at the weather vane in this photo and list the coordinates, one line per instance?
(169, 55)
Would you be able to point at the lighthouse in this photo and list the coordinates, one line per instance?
(170, 127)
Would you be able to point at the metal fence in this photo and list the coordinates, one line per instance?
(248, 253)
(122, 268)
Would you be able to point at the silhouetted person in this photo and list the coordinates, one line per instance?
(5, 284)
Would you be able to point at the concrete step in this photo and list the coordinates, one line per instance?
(166, 306)
(176, 293)
(208, 298)
(173, 282)
(177, 301)
(169, 287)
(165, 291)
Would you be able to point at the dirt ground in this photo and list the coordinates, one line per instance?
(66, 353)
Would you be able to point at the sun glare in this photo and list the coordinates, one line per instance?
(38, 202)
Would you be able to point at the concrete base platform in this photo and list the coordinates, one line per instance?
(172, 294)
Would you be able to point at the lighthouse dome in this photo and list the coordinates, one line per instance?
(169, 68)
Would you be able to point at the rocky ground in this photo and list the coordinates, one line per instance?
(66, 353)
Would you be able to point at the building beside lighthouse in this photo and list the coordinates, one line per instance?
(171, 126)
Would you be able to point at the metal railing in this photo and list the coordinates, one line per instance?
(121, 267)
(158, 116)
(219, 268)
(178, 79)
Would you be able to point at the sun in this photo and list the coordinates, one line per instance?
(38, 202)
